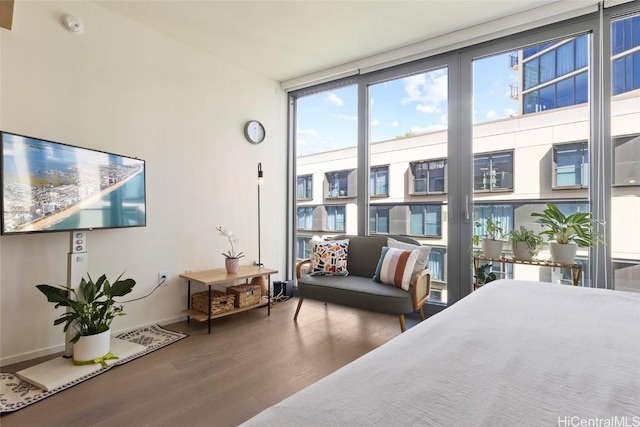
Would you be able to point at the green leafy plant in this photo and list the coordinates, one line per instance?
(534, 241)
(484, 274)
(493, 230)
(92, 305)
(577, 227)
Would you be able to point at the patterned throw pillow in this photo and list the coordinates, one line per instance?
(395, 267)
(423, 255)
(329, 258)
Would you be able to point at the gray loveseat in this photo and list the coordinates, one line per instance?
(358, 289)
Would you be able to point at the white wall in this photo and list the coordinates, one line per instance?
(125, 88)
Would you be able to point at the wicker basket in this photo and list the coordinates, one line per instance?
(245, 295)
(220, 302)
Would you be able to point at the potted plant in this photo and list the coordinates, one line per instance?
(491, 244)
(484, 275)
(525, 243)
(91, 309)
(232, 258)
(566, 232)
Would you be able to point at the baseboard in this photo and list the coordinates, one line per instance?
(60, 348)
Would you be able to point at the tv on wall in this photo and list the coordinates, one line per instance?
(49, 186)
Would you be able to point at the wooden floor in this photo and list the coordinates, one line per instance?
(248, 363)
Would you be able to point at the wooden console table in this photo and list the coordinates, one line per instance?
(576, 269)
(221, 277)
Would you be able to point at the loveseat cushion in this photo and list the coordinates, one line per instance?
(357, 292)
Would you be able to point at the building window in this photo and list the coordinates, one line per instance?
(379, 219)
(303, 247)
(626, 160)
(625, 34)
(379, 181)
(564, 59)
(305, 218)
(571, 165)
(304, 187)
(493, 171)
(338, 184)
(335, 218)
(429, 176)
(436, 263)
(502, 214)
(626, 73)
(426, 220)
(573, 90)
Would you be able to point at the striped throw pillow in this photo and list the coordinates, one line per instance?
(395, 267)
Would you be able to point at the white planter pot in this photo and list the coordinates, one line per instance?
(563, 253)
(92, 346)
(492, 248)
(521, 251)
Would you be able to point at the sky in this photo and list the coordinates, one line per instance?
(410, 105)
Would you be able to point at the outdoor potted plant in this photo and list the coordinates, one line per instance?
(232, 258)
(491, 243)
(91, 309)
(566, 232)
(525, 243)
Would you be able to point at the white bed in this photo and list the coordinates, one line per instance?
(513, 353)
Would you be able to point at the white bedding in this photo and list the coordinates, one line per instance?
(513, 353)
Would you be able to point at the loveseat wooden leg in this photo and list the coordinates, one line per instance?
(421, 313)
(402, 326)
(300, 299)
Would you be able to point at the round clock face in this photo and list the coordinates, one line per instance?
(254, 132)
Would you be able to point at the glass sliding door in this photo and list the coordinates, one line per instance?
(408, 150)
(625, 152)
(326, 166)
(530, 143)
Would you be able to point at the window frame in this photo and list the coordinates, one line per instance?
(347, 173)
(374, 181)
(328, 208)
(413, 167)
(614, 144)
(425, 224)
(491, 156)
(584, 171)
(308, 218)
(308, 187)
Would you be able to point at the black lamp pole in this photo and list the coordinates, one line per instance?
(260, 179)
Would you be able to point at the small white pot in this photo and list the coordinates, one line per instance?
(521, 251)
(492, 248)
(563, 253)
(91, 347)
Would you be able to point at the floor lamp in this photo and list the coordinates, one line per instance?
(260, 181)
(260, 280)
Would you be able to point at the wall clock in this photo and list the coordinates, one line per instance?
(254, 132)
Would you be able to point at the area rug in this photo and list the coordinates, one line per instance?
(16, 394)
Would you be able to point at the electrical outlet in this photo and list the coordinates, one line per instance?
(163, 278)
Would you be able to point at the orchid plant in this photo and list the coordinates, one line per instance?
(233, 240)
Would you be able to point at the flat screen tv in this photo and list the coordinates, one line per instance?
(49, 186)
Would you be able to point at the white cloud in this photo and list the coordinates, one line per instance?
(510, 112)
(491, 114)
(335, 99)
(428, 90)
(308, 132)
(375, 122)
(394, 124)
(345, 117)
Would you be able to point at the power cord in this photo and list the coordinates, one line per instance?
(152, 291)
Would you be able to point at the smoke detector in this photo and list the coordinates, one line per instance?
(72, 24)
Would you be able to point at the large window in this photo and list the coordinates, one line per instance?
(379, 219)
(426, 220)
(626, 158)
(304, 187)
(335, 218)
(305, 218)
(571, 165)
(493, 172)
(379, 177)
(429, 176)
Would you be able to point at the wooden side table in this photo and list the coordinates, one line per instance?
(576, 269)
(221, 277)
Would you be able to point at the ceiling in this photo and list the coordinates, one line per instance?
(283, 40)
